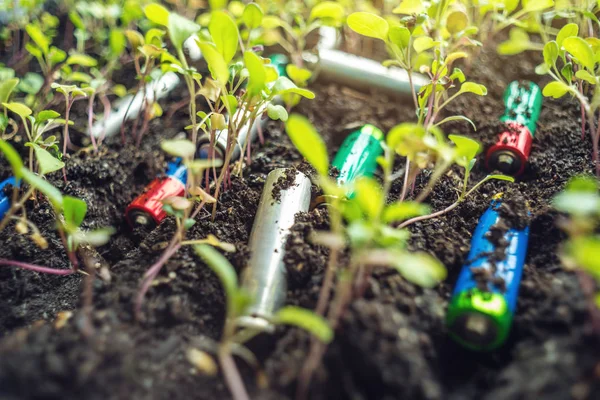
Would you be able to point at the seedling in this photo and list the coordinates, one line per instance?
(483, 303)
(70, 213)
(572, 62)
(70, 93)
(237, 302)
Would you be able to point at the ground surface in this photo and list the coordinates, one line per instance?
(391, 343)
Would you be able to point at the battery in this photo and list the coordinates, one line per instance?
(361, 73)
(483, 303)
(146, 211)
(5, 198)
(265, 277)
(523, 104)
(358, 154)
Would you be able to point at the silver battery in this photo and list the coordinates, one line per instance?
(265, 276)
(246, 132)
(130, 106)
(361, 73)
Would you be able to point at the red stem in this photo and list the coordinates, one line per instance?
(36, 268)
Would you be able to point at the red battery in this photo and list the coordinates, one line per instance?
(147, 209)
(510, 153)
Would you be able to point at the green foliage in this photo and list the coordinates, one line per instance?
(307, 320)
(179, 148)
(308, 142)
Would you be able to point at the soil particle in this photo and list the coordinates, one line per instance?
(284, 182)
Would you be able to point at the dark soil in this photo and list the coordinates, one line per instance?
(391, 343)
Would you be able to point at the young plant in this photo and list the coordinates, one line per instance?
(574, 64)
(237, 300)
(581, 202)
(70, 93)
(70, 213)
(432, 35)
(370, 235)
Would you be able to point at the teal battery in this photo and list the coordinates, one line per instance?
(358, 154)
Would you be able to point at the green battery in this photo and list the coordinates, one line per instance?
(280, 62)
(358, 154)
(523, 104)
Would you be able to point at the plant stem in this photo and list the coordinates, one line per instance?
(232, 375)
(36, 268)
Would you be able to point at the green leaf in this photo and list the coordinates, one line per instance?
(420, 268)
(252, 15)
(116, 42)
(95, 238)
(369, 196)
(368, 24)
(180, 29)
(409, 7)
(466, 149)
(456, 22)
(52, 193)
(307, 320)
(298, 75)
(45, 115)
(157, 14)
(6, 89)
(500, 178)
(566, 31)
(403, 210)
(517, 43)
(47, 162)
(222, 268)
(400, 36)
(20, 109)
(82, 59)
(423, 43)
(258, 74)
(581, 204)
(74, 210)
(556, 89)
(586, 76)
(38, 37)
(308, 142)
(472, 87)
(330, 13)
(224, 33)
(567, 72)
(585, 251)
(14, 159)
(179, 148)
(457, 118)
(216, 64)
(536, 5)
(550, 53)
(284, 85)
(581, 50)
(31, 83)
(277, 112)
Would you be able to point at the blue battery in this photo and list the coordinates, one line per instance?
(5, 198)
(483, 303)
(176, 169)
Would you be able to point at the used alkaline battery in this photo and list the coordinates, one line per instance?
(146, 211)
(5, 198)
(523, 104)
(358, 154)
(361, 73)
(129, 107)
(483, 303)
(265, 276)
